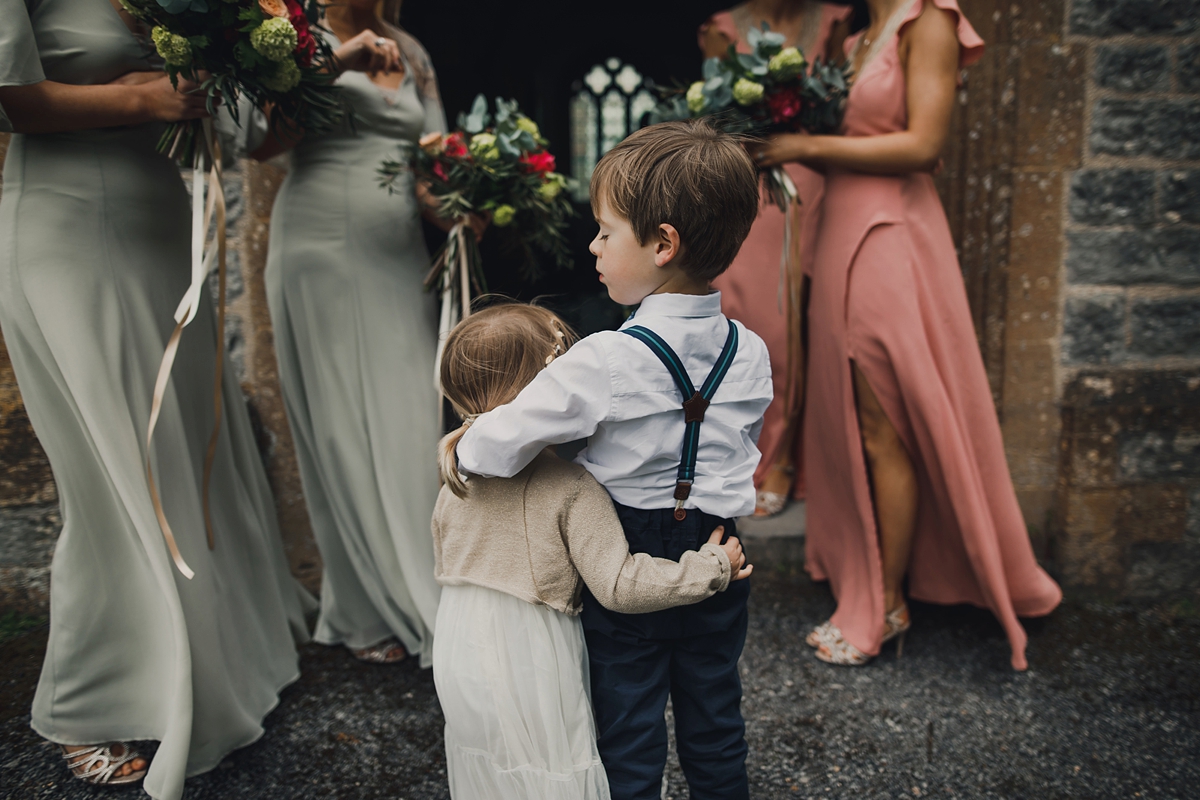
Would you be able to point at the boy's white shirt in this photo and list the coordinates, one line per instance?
(611, 389)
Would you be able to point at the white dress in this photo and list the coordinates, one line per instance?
(513, 681)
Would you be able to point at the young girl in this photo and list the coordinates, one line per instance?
(512, 556)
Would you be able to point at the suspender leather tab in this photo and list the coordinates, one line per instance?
(693, 409)
(695, 404)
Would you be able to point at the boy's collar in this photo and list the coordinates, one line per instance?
(679, 305)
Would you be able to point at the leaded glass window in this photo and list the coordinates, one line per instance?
(608, 103)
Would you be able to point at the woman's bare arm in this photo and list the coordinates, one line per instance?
(51, 107)
(714, 44)
(930, 51)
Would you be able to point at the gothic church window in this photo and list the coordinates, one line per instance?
(608, 104)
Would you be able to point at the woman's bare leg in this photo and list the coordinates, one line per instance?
(893, 488)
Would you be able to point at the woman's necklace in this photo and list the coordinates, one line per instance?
(869, 46)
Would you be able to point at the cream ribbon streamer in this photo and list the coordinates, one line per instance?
(206, 204)
(452, 270)
(788, 292)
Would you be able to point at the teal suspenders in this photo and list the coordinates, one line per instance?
(695, 402)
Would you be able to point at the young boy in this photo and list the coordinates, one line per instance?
(673, 202)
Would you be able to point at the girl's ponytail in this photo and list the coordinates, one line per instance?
(448, 461)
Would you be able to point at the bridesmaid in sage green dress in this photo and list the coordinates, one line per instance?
(94, 257)
(355, 336)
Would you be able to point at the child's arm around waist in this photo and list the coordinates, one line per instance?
(637, 583)
(565, 402)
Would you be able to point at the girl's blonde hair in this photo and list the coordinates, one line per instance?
(488, 359)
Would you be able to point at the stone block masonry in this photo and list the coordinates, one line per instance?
(1128, 508)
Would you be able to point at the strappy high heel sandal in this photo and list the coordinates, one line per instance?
(98, 766)
(389, 651)
(770, 504)
(832, 648)
(819, 634)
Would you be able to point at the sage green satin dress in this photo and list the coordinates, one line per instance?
(355, 336)
(94, 258)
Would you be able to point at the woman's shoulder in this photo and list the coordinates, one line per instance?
(970, 43)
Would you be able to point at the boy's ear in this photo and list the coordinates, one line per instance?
(667, 248)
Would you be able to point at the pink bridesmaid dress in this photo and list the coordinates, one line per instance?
(888, 295)
(751, 290)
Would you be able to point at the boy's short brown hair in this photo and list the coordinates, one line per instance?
(689, 175)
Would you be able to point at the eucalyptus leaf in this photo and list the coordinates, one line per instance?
(753, 63)
(525, 140)
(477, 119)
(754, 35)
(506, 147)
(721, 97)
(773, 39)
(711, 68)
(506, 110)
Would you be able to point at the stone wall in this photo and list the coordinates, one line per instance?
(1016, 132)
(1129, 498)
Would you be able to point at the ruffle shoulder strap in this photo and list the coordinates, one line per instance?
(970, 45)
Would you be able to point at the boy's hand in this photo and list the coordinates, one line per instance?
(738, 567)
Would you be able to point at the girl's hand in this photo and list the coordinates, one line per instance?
(163, 103)
(738, 567)
(368, 52)
(784, 148)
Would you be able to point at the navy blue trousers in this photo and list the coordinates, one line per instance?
(689, 653)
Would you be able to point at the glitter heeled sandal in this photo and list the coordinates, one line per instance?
(98, 764)
(389, 651)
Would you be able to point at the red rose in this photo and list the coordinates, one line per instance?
(538, 162)
(455, 146)
(439, 170)
(306, 45)
(784, 104)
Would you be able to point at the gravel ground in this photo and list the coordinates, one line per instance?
(1109, 708)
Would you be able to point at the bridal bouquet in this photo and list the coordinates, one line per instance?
(492, 164)
(500, 166)
(264, 49)
(772, 89)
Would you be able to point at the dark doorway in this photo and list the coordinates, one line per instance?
(534, 51)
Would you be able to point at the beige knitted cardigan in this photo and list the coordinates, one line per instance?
(543, 533)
